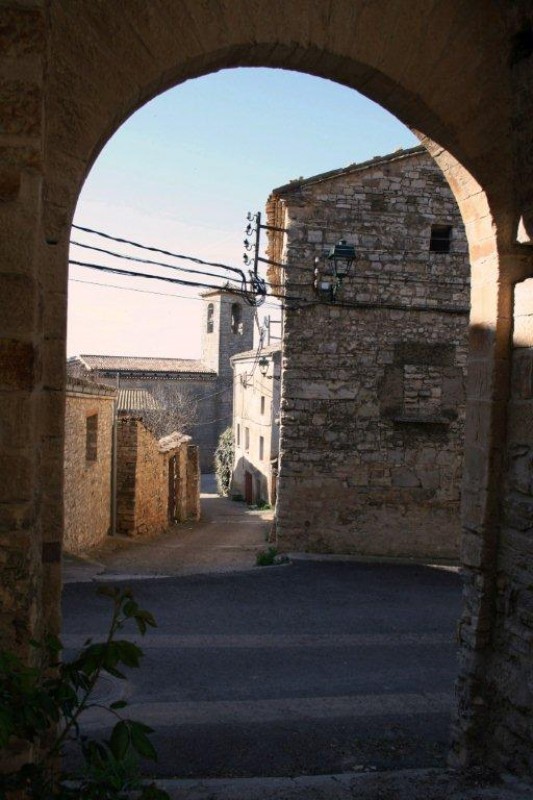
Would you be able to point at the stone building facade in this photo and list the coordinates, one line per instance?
(373, 402)
(88, 454)
(158, 482)
(256, 402)
(121, 480)
(205, 384)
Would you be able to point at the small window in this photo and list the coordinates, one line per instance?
(261, 448)
(236, 318)
(441, 238)
(247, 439)
(210, 317)
(262, 404)
(91, 438)
(238, 435)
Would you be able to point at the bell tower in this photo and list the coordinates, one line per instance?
(227, 329)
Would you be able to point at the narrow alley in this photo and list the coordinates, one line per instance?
(227, 538)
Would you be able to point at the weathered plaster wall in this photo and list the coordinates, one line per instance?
(249, 386)
(373, 396)
(87, 482)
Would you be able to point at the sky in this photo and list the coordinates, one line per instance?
(182, 173)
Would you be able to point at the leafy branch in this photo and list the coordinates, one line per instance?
(42, 706)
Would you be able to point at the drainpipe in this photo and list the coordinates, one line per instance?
(114, 460)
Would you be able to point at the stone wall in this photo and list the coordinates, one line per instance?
(510, 670)
(144, 474)
(87, 465)
(189, 506)
(151, 485)
(373, 391)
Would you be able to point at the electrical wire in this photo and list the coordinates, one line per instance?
(131, 274)
(157, 294)
(159, 250)
(292, 300)
(150, 261)
(436, 281)
(229, 386)
(257, 283)
(459, 310)
(209, 422)
(295, 303)
(180, 281)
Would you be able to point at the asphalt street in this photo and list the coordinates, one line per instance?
(300, 669)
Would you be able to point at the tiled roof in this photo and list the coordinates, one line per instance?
(136, 400)
(84, 386)
(268, 350)
(173, 440)
(139, 364)
(335, 173)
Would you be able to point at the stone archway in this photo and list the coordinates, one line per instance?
(74, 71)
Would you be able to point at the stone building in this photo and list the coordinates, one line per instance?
(204, 386)
(158, 481)
(460, 73)
(122, 480)
(89, 416)
(256, 400)
(374, 377)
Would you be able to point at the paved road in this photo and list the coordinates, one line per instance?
(310, 668)
(226, 539)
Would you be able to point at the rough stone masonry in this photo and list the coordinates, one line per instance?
(373, 390)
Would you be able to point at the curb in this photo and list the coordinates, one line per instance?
(424, 784)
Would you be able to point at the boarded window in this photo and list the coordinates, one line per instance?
(210, 317)
(441, 237)
(422, 394)
(91, 438)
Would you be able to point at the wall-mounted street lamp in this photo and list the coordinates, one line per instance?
(263, 365)
(337, 265)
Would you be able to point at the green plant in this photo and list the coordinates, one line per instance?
(42, 706)
(224, 456)
(265, 558)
